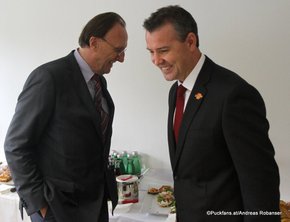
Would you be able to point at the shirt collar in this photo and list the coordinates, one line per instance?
(85, 69)
(189, 82)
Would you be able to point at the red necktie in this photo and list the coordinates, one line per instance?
(98, 103)
(179, 110)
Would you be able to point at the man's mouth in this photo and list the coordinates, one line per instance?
(166, 69)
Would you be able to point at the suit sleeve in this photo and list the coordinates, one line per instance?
(32, 114)
(246, 131)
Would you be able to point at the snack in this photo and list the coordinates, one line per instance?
(165, 188)
(153, 190)
(285, 210)
(165, 199)
(5, 174)
(173, 208)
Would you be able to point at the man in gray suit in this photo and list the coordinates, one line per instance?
(221, 156)
(58, 142)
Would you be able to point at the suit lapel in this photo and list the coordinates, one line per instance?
(171, 139)
(111, 107)
(108, 98)
(198, 94)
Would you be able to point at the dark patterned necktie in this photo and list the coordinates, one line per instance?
(98, 98)
(179, 110)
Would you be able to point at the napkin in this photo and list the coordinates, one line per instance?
(171, 218)
(4, 188)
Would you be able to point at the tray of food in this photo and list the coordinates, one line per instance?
(161, 200)
(5, 175)
(285, 211)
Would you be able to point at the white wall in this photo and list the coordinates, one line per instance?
(249, 37)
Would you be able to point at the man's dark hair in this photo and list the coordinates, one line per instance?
(182, 21)
(99, 26)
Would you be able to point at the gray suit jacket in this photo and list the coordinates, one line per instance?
(223, 160)
(54, 147)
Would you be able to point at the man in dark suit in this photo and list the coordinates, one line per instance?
(58, 142)
(221, 156)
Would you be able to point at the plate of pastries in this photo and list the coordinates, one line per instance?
(5, 174)
(285, 211)
(164, 199)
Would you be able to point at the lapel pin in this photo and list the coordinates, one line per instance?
(198, 96)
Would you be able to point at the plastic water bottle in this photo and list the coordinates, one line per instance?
(121, 164)
(130, 167)
(136, 163)
(124, 157)
(117, 167)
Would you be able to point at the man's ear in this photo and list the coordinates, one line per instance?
(94, 42)
(191, 39)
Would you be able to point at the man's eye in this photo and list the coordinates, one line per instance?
(163, 51)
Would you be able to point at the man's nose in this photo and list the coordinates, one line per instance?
(156, 59)
(121, 57)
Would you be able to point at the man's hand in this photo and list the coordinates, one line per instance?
(43, 211)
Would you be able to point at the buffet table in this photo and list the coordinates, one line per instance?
(138, 212)
(9, 209)
(143, 211)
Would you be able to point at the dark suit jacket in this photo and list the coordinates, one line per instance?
(223, 160)
(54, 147)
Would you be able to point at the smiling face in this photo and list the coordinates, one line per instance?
(175, 58)
(102, 53)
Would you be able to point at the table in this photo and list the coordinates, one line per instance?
(9, 208)
(138, 212)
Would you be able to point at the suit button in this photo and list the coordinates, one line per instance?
(175, 177)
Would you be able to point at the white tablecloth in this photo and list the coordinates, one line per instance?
(138, 212)
(9, 210)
